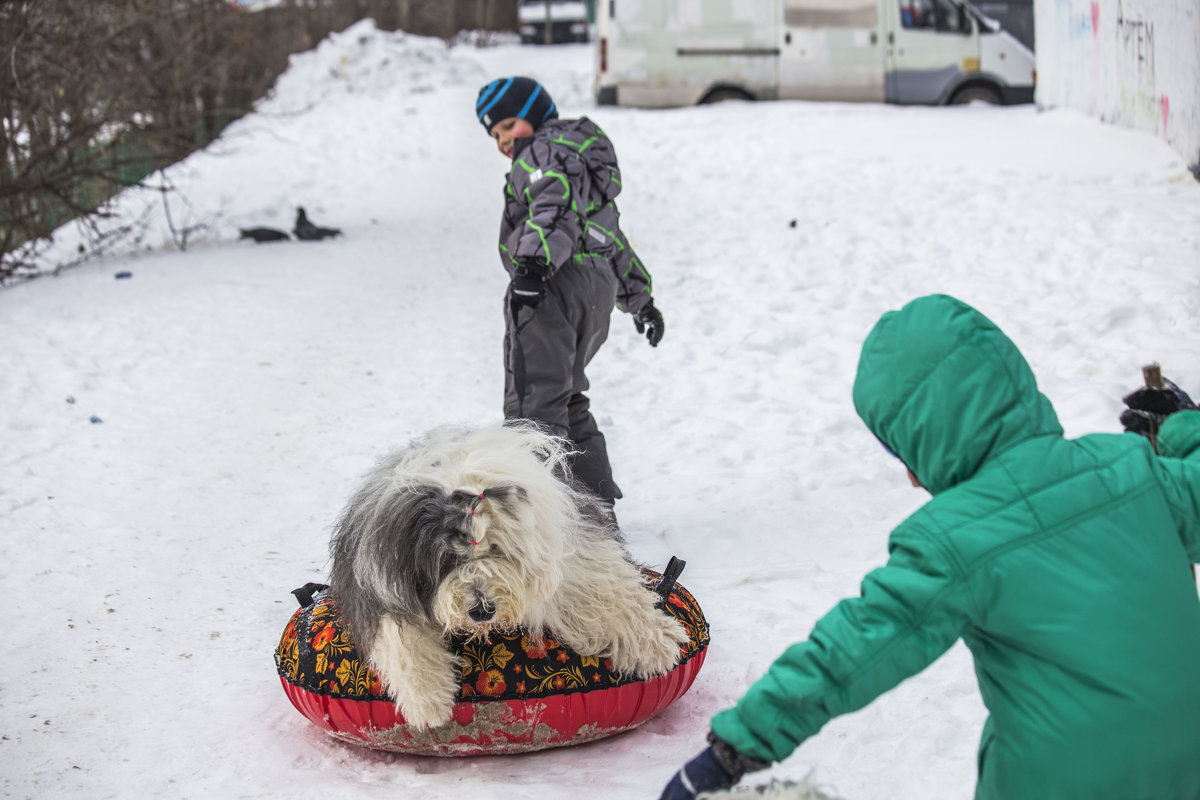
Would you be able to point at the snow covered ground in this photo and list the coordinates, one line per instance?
(176, 444)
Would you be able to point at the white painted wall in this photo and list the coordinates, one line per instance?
(1134, 63)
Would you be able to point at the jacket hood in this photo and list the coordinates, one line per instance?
(595, 149)
(946, 390)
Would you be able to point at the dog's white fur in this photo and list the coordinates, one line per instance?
(470, 531)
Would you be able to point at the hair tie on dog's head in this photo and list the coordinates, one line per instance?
(475, 505)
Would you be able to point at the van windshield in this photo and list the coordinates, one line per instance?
(934, 15)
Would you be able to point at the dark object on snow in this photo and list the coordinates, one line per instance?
(121, 275)
(1148, 407)
(95, 420)
(792, 224)
(309, 232)
(263, 234)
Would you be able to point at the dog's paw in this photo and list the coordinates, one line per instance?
(417, 671)
(426, 711)
(654, 649)
(428, 699)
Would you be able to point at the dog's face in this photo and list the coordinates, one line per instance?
(453, 559)
(491, 585)
(467, 532)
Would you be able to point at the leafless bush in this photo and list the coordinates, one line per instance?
(97, 94)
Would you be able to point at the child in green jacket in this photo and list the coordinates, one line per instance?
(1062, 564)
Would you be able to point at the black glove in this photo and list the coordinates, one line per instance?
(719, 766)
(528, 286)
(650, 322)
(1147, 408)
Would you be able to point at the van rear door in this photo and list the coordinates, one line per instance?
(831, 51)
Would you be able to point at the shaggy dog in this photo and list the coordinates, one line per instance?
(468, 532)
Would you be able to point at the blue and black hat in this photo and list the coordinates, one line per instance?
(514, 97)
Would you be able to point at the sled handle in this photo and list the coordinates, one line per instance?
(667, 582)
(305, 593)
(1152, 375)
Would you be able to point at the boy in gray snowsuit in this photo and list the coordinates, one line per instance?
(568, 262)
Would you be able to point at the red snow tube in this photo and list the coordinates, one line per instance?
(517, 695)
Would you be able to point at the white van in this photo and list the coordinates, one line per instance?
(568, 21)
(662, 53)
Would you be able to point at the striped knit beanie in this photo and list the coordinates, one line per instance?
(514, 97)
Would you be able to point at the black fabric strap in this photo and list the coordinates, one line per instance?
(305, 593)
(667, 583)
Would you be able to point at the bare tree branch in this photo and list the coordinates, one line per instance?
(98, 94)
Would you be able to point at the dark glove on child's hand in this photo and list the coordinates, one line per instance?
(719, 766)
(650, 322)
(528, 286)
(1147, 408)
(704, 773)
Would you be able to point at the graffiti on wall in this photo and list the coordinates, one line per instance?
(1135, 36)
(1074, 23)
(1075, 75)
(1134, 63)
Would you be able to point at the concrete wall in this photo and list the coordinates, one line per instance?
(1134, 63)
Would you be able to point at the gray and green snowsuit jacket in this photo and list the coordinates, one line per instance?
(560, 207)
(1062, 564)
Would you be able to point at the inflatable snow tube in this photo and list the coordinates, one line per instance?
(517, 695)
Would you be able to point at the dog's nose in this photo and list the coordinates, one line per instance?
(482, 611)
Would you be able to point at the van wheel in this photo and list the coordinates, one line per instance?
(724, 93)
(970, 93)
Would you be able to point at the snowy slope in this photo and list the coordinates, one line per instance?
(243, 389)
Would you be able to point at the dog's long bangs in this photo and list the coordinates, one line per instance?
(517, 527)
(422, 537)
(396, 547)
(517, 567)
(490, 461)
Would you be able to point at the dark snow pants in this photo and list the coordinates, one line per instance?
(546, 351)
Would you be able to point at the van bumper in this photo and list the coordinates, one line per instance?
(1015, 95)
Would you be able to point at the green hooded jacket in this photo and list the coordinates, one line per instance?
(1062, 564)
